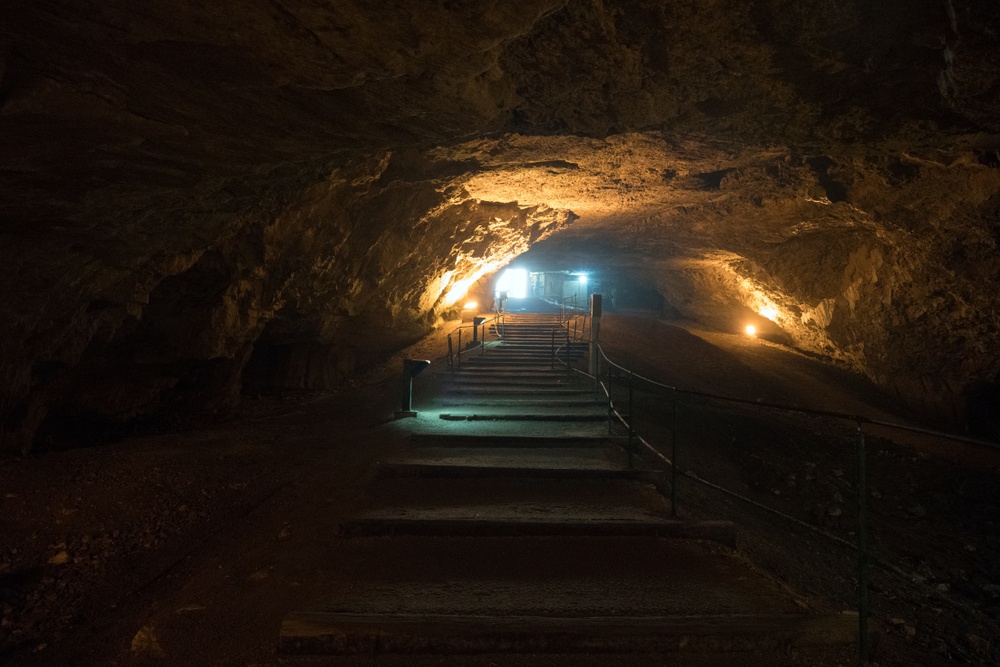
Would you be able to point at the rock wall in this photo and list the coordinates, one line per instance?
(265, 193)
(293, 295)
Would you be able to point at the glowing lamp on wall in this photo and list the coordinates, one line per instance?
(471, 305)
(751, 330)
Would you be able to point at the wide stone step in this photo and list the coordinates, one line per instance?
(541, 360)
(559, 595)
(524, 416)
(513, 371)
(487, 374)
(476, 400)
(506, 381)
(516, 500)
(325, 633)
(458, 471)
(534, 391)
(421, 439)
(428, 524)
(517, 462)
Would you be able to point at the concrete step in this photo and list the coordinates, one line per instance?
(507, 376)
(530, 348)
(325, 633)
(539, 360)
(486, 371)
(422, 439)
(458, 471)
(557, 595)
(520, 403)
(522, 505)
(425, 524)
(517, 462)
(524, 416)
(535, 369)
(507, 381)
(513, 391)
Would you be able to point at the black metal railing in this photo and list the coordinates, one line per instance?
(494, 326)
(567, 306)
(610, 374)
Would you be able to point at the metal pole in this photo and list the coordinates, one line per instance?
(567, 350)
(610, 407)
(861, 487)
(407, 393)
(673, 459)
(552, 364)
(451, 357)
(631, 424)
(597, 382)
(459, 347)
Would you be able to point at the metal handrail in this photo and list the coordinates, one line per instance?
(566, 322)
(498, 316)
(564, 307)
(864, 558)
(808, 411)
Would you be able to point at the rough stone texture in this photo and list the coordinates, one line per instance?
(198, 198)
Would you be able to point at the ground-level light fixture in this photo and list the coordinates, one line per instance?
(751, 330)
(471, 305)
(411, 368)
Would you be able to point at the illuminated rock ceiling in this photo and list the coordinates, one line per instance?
(204, 198)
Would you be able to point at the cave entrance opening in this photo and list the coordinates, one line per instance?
(522, 290)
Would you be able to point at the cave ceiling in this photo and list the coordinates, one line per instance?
(200, 197)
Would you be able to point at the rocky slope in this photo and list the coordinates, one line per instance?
(202, 199)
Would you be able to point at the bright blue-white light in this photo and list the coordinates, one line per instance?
(514, 282)
(583, 278)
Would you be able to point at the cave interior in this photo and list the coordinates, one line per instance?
(209, 205)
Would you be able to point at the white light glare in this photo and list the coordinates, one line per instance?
(751, 330)
(514, 282)
(471, 305)
(583, 278)
(769, 313)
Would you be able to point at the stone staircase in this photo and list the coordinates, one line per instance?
(512, 523)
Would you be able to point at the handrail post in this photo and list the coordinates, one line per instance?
(861, 489)
(610, 406)
(673, 461)
(567, 350)
(451, 357)
(552, 363)
(459, 347)
(597, 385)
(631, 424)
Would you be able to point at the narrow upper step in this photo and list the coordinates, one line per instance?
(422, 439)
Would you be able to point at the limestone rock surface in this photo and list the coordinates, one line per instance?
(204, 199)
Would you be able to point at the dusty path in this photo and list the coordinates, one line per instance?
(934, 504)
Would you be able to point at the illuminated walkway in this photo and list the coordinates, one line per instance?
(513, 524)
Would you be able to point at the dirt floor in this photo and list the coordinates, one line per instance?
(187, 548)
